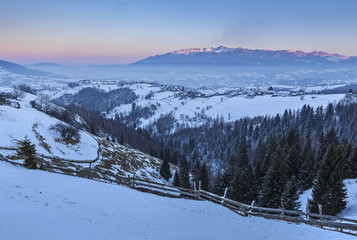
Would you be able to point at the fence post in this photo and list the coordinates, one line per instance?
(194, 189)
(134, 180)
(320, 208)
(307, 210)
(225, 194)
(199, 185)
(42, 161)
(320, 211)
(250, 208)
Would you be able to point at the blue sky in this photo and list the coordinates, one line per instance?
(111, 32)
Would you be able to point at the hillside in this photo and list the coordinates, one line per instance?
(168, 108)
(51, 206)
(18, 69)
(107, 158)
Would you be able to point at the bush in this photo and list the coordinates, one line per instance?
(66, 131)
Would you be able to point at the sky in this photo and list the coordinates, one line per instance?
(75, 32)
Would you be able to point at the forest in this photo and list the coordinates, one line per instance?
(272, 159)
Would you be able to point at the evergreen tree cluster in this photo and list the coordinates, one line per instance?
(273, 159)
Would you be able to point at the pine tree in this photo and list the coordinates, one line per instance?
(293, 160)
(243, 186)
(185, 176)
(331, 137)
(329, 189)
(308, 166)
(195, 172)
(204, 177)
(329, 114)
(174, 158)
(232, 167)
(351, 165)
(220, 184)
(274, 182)
(165, 171)
(27, 150)
(258, 164)
(177, 179)
(290, 195)
(243, 153)
(270, 150)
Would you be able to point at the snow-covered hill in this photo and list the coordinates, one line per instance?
(107, 158)
(193, 107)
(41, 205)
(27, 121)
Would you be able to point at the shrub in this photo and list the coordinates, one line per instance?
(66, 131)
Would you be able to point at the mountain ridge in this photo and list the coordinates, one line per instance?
(19, 69)
(225, 49)
(243, 56)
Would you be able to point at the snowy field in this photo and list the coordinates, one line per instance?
(27, 121)
(40, 205)
(238, 107)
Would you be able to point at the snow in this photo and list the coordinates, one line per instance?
(351, 209)
(42, 205)
(26, 121)
(240, 107)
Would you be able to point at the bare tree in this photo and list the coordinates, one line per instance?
(17, 93)
(44, 102)
(66, 131)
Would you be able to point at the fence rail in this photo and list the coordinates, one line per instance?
(344, 225)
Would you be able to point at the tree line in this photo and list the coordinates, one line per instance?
(273, 159)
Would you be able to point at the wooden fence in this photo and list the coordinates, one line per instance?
(344, 225)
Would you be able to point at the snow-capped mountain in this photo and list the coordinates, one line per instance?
(242, 56)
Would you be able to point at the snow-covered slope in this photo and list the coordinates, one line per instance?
(106, 158)
(27, 121)
(41, 205)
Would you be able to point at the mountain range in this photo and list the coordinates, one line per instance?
(225, 55)
(207, 67)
